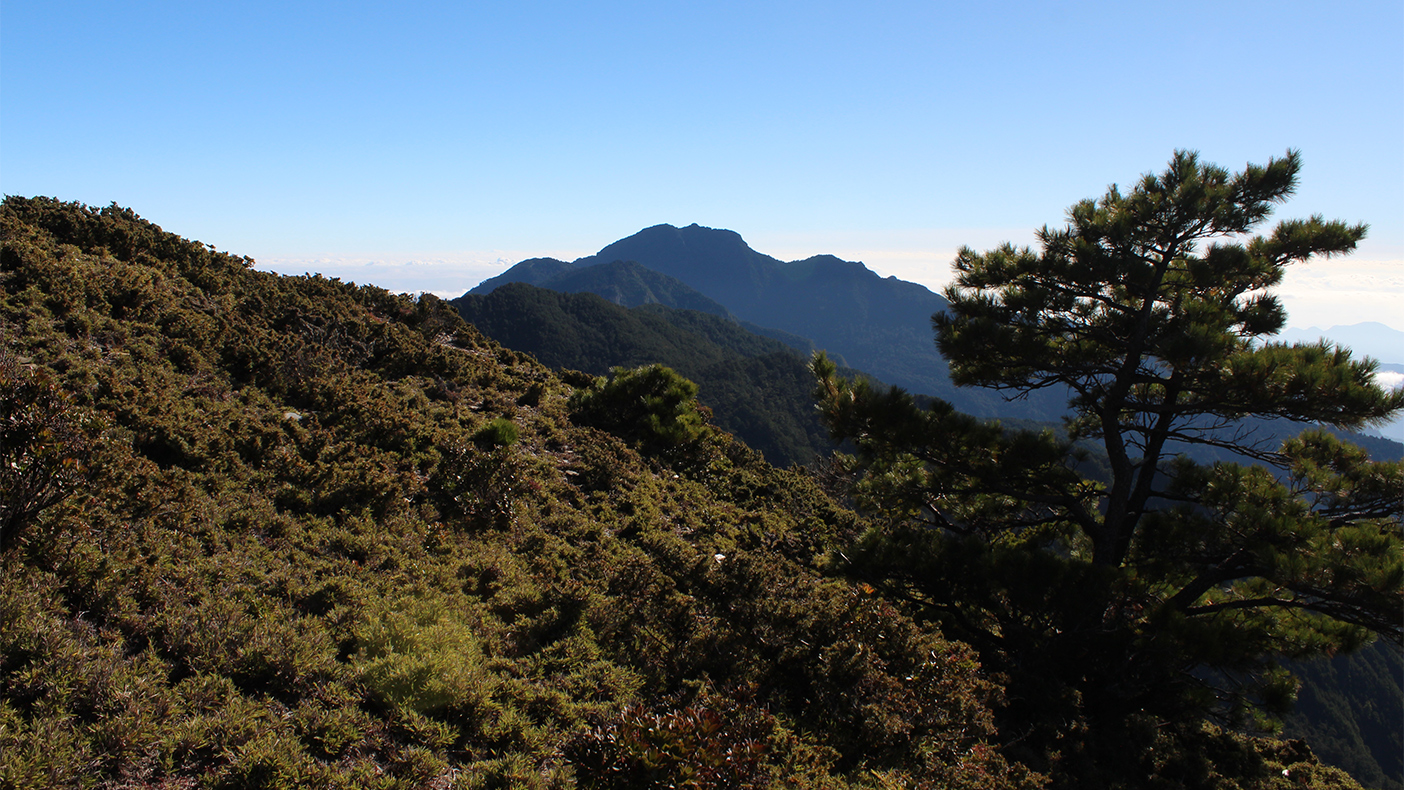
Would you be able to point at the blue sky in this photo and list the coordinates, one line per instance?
(425, 146)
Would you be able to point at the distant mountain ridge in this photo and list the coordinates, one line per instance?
(881, 325)
(1367, 338)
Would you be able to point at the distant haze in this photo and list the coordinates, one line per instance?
(1335, 294)
(1368, 286)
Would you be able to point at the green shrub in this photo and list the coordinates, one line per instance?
(651, 406)
(500, 432)
(417, 655)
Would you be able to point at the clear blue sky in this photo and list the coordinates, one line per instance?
(359, 137)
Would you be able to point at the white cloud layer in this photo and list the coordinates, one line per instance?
(1342, 292)
(447, 275)
(1390, 379)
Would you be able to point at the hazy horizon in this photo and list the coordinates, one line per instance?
(1321, 294)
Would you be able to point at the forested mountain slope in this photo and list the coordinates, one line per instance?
(631, 284)
(757, 388)
(1351, 710)
(259, 531)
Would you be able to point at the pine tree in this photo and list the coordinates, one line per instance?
(1116, 582)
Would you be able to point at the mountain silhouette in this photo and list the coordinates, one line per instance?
(881, 325)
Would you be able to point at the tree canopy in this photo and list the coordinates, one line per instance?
(1150, 588)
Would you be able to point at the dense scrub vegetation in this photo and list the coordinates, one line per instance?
(274, 532)
(298, 532)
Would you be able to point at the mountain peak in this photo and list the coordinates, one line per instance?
(839, 305)
(663, 241)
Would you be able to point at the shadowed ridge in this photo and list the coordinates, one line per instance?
(532, 271)
(631, 284)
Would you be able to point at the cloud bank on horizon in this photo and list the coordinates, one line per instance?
(1320, 294)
